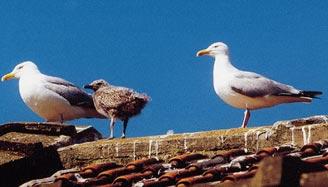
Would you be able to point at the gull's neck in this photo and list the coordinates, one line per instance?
(30, 74)
(32, 71)
(222, 65)
(223, 71)
(29, 80)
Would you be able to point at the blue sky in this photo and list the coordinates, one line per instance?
(151, 45)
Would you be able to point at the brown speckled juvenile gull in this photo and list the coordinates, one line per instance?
(116, 102)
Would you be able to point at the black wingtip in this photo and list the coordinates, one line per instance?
(312, 94)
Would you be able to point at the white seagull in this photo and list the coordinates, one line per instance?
(52, 98)
(248, 90)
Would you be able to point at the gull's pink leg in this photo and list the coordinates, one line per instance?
(125, 124)
(247, 115)
(111, 128)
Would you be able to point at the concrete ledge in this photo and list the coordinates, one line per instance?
(294, 132)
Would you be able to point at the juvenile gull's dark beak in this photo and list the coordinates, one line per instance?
(87, 86)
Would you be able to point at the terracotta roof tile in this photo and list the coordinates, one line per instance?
(94, 169)
(232, 167)
(183, 160)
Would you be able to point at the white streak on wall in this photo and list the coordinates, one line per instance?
(117, 149)
(293, 136)
(309, 134)
(156, 148)
(150, 144)
(257, 140)
(304, 136)
(185, 144)
(134, 150)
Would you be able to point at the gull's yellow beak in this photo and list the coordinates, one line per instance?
(203, 52)
(7, 76)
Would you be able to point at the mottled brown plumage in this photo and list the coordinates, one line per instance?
(117, 102)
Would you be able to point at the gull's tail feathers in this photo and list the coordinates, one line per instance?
(302, 96)
(305, 94)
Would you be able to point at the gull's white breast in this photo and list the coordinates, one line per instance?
(223, 90)
(44, 102)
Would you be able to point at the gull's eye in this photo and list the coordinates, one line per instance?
(20, 67)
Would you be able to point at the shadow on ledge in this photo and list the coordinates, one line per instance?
(28, 150)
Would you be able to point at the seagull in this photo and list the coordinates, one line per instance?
(52, 98)
(248, 90)
(116, 103)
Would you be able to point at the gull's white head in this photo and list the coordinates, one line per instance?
(217, 48)
(20, 69)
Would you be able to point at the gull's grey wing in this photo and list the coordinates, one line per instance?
(74, 95)
(254, 85)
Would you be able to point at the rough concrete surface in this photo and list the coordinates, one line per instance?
(294, 132)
